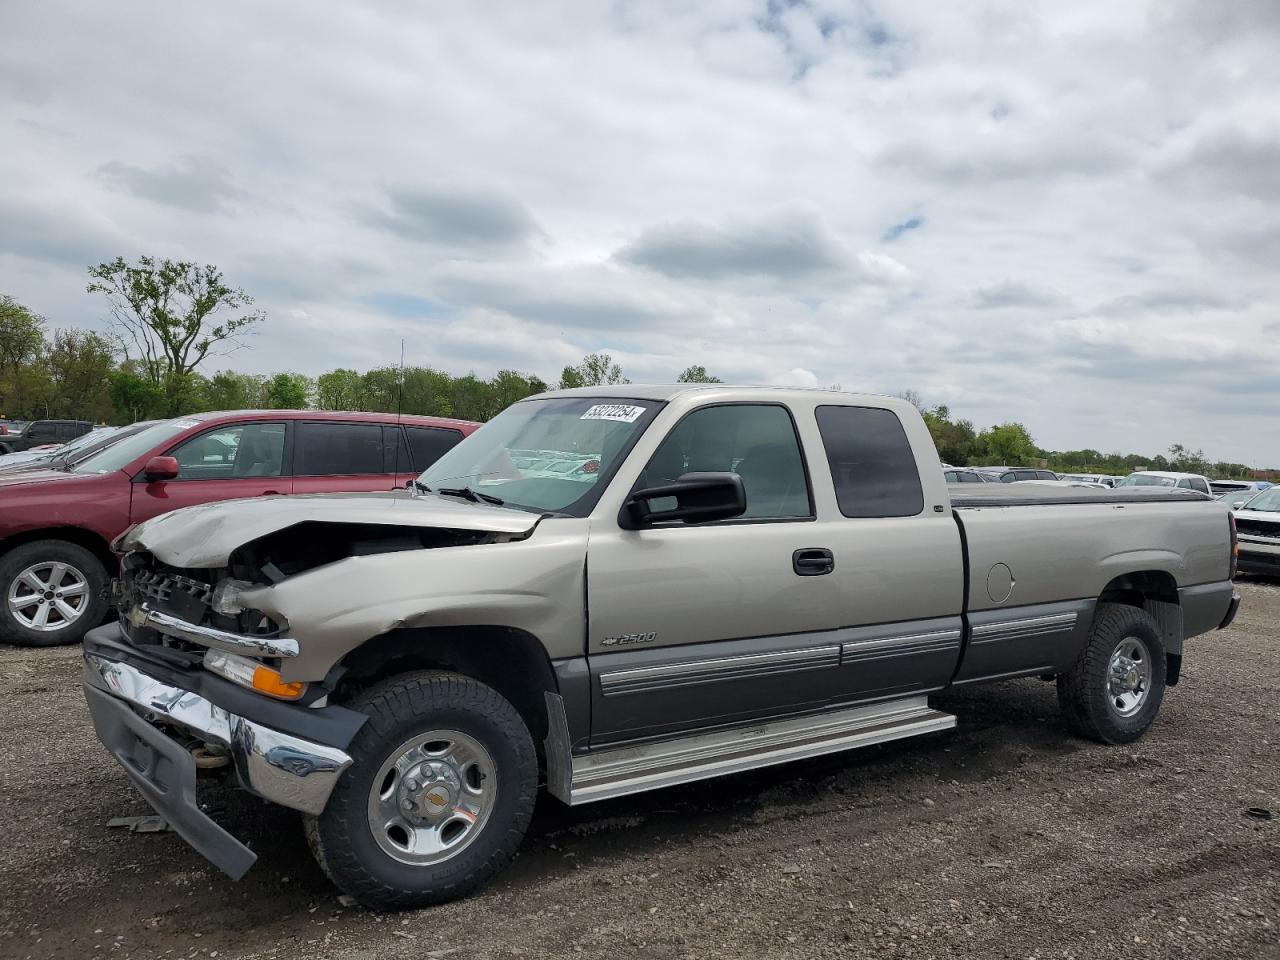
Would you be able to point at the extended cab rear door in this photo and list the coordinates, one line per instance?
(899, 563)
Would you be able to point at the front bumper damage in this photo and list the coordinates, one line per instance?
(149, 720)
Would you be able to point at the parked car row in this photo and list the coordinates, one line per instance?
(40, 433)
(63, 512)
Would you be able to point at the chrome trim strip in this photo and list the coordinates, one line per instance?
(144, 616)
(277, 766)
(623, 770)
(666, 675)
(1023, 628)
(889, 646)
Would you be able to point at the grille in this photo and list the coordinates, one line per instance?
(1258, 528)
(160, 588)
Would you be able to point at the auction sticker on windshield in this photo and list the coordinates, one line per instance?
(623, 412)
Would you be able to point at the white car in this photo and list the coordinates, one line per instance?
(1236, 493)
(1167, 478)
(1096, 479)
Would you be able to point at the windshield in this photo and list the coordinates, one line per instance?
(1268, 501)
(553, 455)
(1146, 480)
(88, 440)
(130, 448)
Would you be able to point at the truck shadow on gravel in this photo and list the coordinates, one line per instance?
(999, 730)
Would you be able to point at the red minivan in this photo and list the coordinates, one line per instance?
(56, 525)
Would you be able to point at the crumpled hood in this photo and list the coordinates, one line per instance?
(205, 536)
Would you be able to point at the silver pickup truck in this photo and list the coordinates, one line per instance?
(613, 590)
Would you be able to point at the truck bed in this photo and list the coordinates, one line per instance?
(972, 496)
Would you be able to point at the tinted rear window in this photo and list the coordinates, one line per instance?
(429, 444)
(871, 462)
(337, 449)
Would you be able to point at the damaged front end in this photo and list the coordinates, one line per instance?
(208, 660)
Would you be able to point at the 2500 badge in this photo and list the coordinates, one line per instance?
(627, 639)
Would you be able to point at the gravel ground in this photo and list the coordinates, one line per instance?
(1003, 838)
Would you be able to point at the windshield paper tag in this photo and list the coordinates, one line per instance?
(622, 412)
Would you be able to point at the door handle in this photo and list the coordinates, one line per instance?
(813, 562)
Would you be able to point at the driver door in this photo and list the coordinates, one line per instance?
(699, 625)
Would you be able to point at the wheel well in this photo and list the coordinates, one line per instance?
(1156, 592)
(511, 661)
(77, 535)
(1137, 589)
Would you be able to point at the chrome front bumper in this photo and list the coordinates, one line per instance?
(277, 766)
(143, 616)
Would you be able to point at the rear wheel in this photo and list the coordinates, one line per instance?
(438, 796)
(53, 592)
(1114, 690)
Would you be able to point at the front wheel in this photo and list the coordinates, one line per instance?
(1113, 691)
(54, 592)
(437, 799)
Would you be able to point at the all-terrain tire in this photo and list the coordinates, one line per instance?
(399, 709)
(1085, 691)
(80, 571)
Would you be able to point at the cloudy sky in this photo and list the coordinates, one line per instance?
(1059, 213)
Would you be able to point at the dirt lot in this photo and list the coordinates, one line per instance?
(1004, 838)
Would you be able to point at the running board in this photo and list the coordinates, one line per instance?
(618, 771)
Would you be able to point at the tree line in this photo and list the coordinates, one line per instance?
(168, 321)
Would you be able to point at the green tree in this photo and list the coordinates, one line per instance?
(288, 391)
(21, 341)
(339, 390)
(595, 370)
(1008, 443)
(171, 315)
(228, 390)
(79, 365)
(956, 440)
(697, 374)
(134, 398)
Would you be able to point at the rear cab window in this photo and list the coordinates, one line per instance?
(872, 465)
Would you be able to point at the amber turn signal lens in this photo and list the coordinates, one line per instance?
(266, 680)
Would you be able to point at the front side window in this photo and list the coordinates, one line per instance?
(338, 449)
(756, 441)
(871, 462)
(243, 450)
(547, 456)
(1198, 484)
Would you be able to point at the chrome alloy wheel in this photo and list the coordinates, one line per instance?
(1129, 677)
(432, 797)
(48, 596)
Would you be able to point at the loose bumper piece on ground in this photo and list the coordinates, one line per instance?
(149, 726)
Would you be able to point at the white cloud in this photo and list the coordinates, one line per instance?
(1090, 188)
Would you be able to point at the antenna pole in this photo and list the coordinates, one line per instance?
(400, 410)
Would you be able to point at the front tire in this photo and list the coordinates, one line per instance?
(52, 592)
(438, 796)
(1114, 690)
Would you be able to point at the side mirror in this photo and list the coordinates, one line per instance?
(699, 497)
(161, 468)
